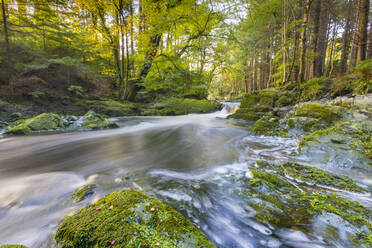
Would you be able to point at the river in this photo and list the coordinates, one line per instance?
(184, 161)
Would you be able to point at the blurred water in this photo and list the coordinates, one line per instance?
(185, 161)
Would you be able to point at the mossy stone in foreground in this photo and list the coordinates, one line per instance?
(321, 112)
(313, 175)
(268, 126)
(129, 219)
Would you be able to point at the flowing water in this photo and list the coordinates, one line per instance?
(185, 161)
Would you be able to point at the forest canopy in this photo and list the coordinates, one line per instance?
(140, 49)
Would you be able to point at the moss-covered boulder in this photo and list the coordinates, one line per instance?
(92, 120)
(42, 122)
(253, 106)
(347, 143)
(129, 219)
(282, 196)
(83, 192)
(312, 117)
(268, 126)
(109, 107)
(313, 176)
(181, 106)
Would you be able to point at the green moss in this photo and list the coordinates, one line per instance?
(45, 121)
(357, 134)
(92, 120)
(317, 176)
(284, 101)
(268, 126)
(351, 211)
(321, 112)
(284, 202)
(129, 219)
(182, 106)
(83, 192)
(111, 107)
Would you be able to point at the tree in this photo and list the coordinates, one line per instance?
(363, 27)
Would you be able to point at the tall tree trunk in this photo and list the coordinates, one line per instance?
(345, 38)
(355, 39)
(135, 85)
(369, 52)
(7, 48)
(285, 23)
(322, 41)
(317, 10)
(363, 26)
(303, 41)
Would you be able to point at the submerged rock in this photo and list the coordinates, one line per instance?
(83, 192)
(92, 120)
(347, 143)
(286, 201)
(129, 219)
(42, 122)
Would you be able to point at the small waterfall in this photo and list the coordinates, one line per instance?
(230, 107)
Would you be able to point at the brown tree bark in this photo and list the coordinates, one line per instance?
(369, 52)
(7, 49)
(345, 37)
(355, 38)
(303, 41)
(322, 41)
(362, 33)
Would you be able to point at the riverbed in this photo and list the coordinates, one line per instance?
(185, 161)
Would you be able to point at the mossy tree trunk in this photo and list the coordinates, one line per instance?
(362, 33)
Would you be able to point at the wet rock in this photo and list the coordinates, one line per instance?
(92, 120)
(83, 192)
(182, 106)
(42, 122)
(268, 126)
(129, 219)
(280, 197)
(347, 143)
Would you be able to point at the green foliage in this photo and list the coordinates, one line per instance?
(129, 219)
(314, 88)
(37, 95)
(13, 246)
(364, 84)
(76, 90)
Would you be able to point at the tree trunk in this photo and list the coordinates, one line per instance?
(322, 41)
(303, 41)
(369, 53)
(135, 85)
(285, 22)
(363, 26)
(315, 35)
(345, 38)
(355, 39)
(7, 48)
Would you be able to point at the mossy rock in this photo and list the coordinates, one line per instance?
(83, 192)
(129, 219)
(268, 126)
(355, 134)
(256, 105)
(313, 176)
(284, 101)
(283, 202)
(94, 121)
(182, 106)
(111, 107)
(42, 122)
(13, 246)
(321, 112)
